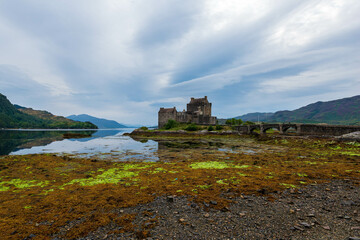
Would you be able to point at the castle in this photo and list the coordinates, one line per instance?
(198, 111)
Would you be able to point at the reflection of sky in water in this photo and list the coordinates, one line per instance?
(103, 145)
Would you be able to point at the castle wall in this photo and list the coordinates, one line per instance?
(165, 115)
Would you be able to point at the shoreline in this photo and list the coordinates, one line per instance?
(355, 136)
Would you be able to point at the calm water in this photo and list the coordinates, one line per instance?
(113, 145)
(102, 144)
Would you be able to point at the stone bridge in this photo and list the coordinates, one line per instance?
(301, 129)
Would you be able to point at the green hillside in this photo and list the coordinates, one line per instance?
(20, 117)
(344, 111)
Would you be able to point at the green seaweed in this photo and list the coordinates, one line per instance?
(209, 165)
(112, 175)
(21, 184)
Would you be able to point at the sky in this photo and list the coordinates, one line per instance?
(124, 59)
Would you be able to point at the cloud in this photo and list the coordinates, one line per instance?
(124, 59)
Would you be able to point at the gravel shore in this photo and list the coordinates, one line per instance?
(323, 211)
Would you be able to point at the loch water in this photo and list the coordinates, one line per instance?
(112, 144)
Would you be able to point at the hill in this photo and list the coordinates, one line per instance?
(257, 116)
(14, 116)
(100, 122)
(342, 111)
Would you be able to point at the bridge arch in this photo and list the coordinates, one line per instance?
(254, 127)
(272, 126)
(287, 127)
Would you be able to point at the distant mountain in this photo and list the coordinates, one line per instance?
(342, 111)
(100, 122)
(15, 116)
(257, 116)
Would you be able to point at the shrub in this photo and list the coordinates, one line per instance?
(218, 127)
(191, 127)
(143, 128)
(171, 124)
(233, 122)
(210, 128)
(249, 123)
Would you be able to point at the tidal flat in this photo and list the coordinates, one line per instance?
(51, 196)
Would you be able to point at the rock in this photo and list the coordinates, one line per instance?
(206, 204)
(213, 202)
(181, 220)
(355, 228)
(311, 215)
(326, 227)
(242, 214)
(353, 238)
(348, 203)
(193, 205)
(206, 215)
(327, 189)
(225, 209)
(298, 228)
(292, 211)
(262, 191)
(170, 199)
(347, 217)
(305, 224)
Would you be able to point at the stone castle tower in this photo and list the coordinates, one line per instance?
(198, 111)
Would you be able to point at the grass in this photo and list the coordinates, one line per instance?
(45, 189)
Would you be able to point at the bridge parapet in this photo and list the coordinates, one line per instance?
(305, 129)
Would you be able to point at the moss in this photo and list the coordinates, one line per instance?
(302, 174)
(203, 186)
(21, 184)
(351, 154)
(209, 165)
(287, 185)
(221, 181)
(112, 176)
(242, 166)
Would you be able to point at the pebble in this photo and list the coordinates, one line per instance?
(327, 189)
(193, 205)
(170, 198)
(206, 215)
(348, 203)
(355, 228)
(326, 227)
(305, 224)
(354, 238)
(292, 211)
(311, 215)
(225, 209)
(242, 214)
(181, 220)
(298, 228)
(213, 202)
(347, 217)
